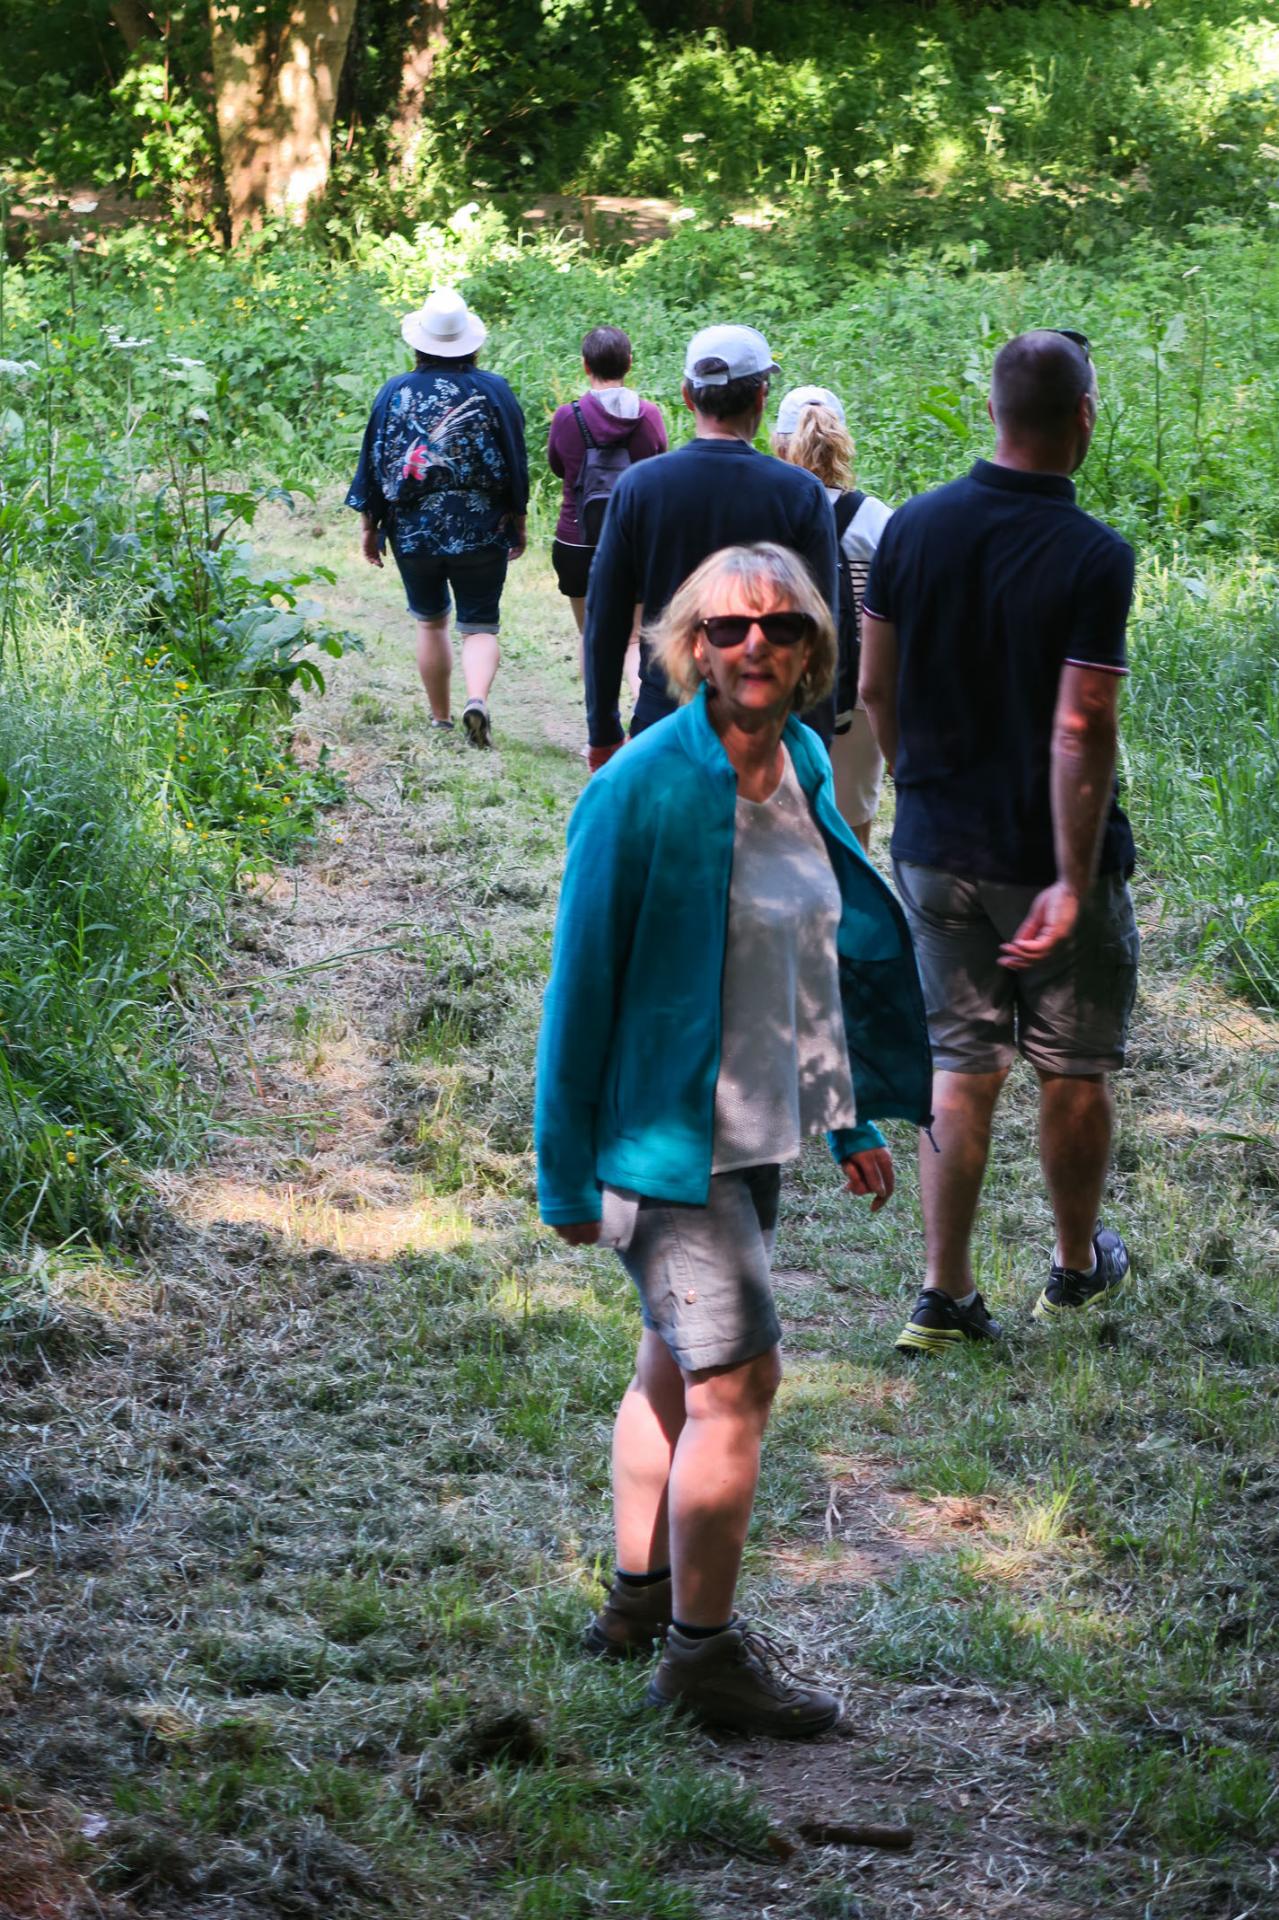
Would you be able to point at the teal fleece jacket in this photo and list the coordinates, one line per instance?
(628, 1054)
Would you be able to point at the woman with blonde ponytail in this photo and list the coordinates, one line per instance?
(811, 432)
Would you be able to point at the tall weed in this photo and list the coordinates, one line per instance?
(106, 905)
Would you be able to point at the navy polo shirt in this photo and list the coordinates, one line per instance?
(994, 584)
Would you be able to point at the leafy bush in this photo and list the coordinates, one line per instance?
(106, 901)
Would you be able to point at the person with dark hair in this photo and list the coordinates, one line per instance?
(609, 416)
(993, 652)
(730, 976)
(443, 477)
(666, 516)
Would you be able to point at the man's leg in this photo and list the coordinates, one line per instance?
(435, 663)
(714, 1473)
(950, 1180)
(1076, 1121)
(648, 1425)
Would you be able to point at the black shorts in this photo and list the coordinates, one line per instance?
(572, 568)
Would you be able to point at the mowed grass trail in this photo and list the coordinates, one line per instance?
(301, 1501)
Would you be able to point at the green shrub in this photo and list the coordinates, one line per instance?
(105, 903)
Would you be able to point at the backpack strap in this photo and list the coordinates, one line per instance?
(582, 427)
(847, 508)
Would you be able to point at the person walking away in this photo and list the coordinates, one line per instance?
(443, 478)
(812, 432)
(993, 652)
(729, 976)
(611, 419)
(666, 517)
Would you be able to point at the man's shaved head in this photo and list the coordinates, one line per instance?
(1038, 382)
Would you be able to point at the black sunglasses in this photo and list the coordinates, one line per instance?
(1080, 340)
(779, 629)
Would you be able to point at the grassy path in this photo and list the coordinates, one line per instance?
(299, 1505)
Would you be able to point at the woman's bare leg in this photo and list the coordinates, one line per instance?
(480, 660)
(435, 663)
(647, 1427)
(714, 1474)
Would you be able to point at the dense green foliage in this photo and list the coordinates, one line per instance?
(1008, 128)
(144, 749)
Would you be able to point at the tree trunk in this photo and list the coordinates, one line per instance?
(428, 34)
(135, 23)
(275, 96)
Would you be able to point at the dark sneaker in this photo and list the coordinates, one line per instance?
(631, 1621)
(475, 718)
(740, 1679)
(1068, 1289)
(938, 1323)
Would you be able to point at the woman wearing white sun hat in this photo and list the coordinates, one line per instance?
(811, 432)
(443, 476)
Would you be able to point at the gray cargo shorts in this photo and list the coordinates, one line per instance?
(703, 1273)
(1068, 1016)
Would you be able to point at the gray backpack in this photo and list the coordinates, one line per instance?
(599, 473)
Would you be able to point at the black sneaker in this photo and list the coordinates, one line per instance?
(1068, 1289)
(939, 1323)
(475, 718)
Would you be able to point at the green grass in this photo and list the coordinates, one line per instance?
(345, 1636)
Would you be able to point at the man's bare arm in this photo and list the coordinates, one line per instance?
(877, 682)
(1084, 744)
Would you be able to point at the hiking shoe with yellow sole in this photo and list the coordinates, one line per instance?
(939, 1324)
(1068, 1289)
(740, 1679)
(632, 1621)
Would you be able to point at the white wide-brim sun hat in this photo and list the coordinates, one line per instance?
(444, 325)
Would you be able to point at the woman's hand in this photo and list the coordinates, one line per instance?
(517, 539)
(871, 1172)
(582, 1233)
(369, 546)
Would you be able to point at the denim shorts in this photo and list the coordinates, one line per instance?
(703, 1273)
(1068, 1015)
(477, 579)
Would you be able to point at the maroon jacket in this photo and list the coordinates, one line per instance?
(643, 434)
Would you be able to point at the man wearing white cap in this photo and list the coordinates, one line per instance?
(666, 516)
(443, 476)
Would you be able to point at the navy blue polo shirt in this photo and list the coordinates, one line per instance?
(994, 584)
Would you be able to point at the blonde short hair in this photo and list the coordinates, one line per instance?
(764, 573)
(820, 444)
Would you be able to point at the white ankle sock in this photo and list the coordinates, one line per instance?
(967, 1299)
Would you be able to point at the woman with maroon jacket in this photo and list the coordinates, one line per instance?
(609, 415)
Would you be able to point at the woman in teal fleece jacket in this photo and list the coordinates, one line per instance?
(729, 972)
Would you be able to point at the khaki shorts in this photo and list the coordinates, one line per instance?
(1068, 1016)
(703, 1274)
(859, 769)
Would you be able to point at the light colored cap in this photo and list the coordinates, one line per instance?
(717, 355)
(444, 325)
(794, 402)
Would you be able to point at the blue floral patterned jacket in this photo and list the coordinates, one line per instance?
(443, 465)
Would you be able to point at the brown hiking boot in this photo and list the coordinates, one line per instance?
(740, 1679)
(631, 1621)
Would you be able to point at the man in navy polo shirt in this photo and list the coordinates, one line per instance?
(992, 656)
(666, 516)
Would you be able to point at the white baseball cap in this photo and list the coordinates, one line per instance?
(794, 402)
(717, 355)
(444, 325)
